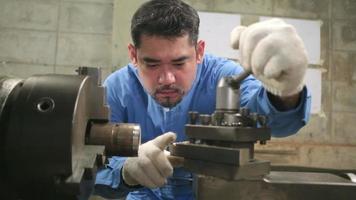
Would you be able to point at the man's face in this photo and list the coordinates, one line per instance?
(167, 67)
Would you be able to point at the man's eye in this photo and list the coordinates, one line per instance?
(179, 64)
(151, 65)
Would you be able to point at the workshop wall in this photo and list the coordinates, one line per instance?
(54, 36)
(329, 138)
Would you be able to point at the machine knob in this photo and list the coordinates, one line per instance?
(244, 112)
(193, 117)
(205, 119)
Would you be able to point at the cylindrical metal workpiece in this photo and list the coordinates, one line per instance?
(227, 98)
(119, 139)
(228, 92)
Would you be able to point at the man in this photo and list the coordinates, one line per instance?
(169, 75)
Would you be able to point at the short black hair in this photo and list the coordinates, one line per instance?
(166, 18)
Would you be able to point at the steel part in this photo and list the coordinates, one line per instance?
(205, 119)
(345, 173)
(94, 73)
(227, 98)
(236, 119)
(222, 145)
(352, 177)
(262, 120)
(228, 92)
(217, 118)
(84, 170)
(45, 135)
(296, 168)
(7, 93)
(229, 163)
(7, 86)
(193, 117)
(244, 112)
(254, 117)
(252, 170)
(223, 155)
(236, 80)
(226, 133)
(304, 178)
(277, 186)
(119, 139)
(43, 122)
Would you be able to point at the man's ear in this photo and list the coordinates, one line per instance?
(132, 54)
(200, 51)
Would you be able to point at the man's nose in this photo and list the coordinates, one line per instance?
(166, 77)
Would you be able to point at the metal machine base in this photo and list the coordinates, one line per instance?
(278, 186)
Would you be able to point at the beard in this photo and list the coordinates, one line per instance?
(168, 95)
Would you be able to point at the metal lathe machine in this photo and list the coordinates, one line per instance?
(221, 151)
(55, 133)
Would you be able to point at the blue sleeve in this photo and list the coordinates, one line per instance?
(113, 91)
(282, 123)
(109, 183)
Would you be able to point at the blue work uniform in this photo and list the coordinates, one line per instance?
(130, 103)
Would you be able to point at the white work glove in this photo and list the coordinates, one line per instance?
(274, 53)
(152, 167)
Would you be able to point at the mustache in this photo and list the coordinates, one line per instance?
(169, 87)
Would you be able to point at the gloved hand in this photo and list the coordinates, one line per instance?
(274, 53)
(152, 167)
